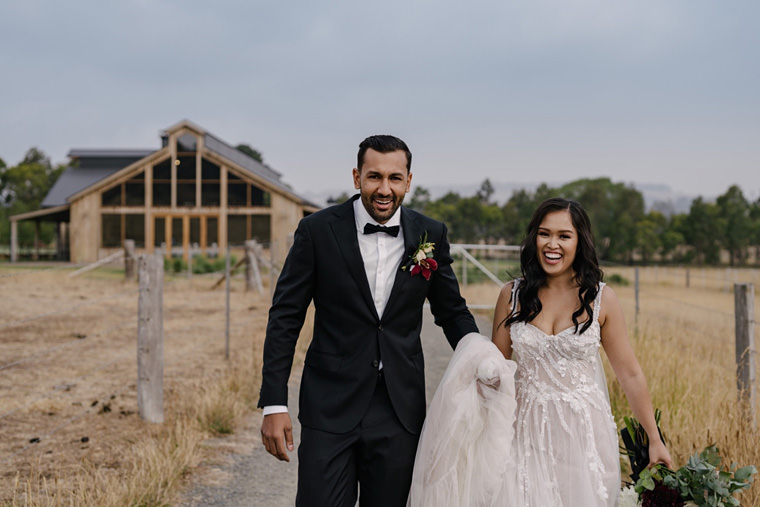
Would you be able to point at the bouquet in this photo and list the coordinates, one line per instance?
(702, 481)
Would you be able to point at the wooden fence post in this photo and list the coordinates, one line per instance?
(150, 338)
(227, 274)
(129, 259)
(744, 309)
(272, 277)
(252, 272)
(14, 240)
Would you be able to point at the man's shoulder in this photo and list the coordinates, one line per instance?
(328, 214)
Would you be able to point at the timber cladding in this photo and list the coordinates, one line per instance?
(194, 194)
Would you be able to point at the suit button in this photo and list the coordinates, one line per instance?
(375, 363)
(380, 327)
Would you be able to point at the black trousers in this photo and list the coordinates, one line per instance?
(378, 455)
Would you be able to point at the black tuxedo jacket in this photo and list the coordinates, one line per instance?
(350, 338)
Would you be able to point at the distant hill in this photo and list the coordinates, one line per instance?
(657, 196)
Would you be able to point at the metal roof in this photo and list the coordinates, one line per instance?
(97, 164)
(109, 153)
(216, 145)
(73, 180)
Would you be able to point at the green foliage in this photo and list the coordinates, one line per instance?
(737, 232)
(22, 189)
(614, 209)
(201, 264)
(636, 443)
(622, 230)
(701, 480)
(251, 152)
(701, 230)
(618, 279)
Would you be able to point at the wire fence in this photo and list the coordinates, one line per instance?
(208, 321)
(53, 374)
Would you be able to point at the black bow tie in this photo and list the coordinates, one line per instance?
(372, 228)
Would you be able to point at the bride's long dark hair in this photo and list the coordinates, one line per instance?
(586, 265)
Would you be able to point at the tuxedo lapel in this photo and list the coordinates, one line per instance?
(344, 229)
(412, 235)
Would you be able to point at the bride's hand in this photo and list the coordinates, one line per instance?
(491, 383)
(487, 376)
(658, 454)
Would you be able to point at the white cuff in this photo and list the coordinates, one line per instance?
(275, 409)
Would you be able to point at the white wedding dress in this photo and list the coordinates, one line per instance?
(544, 438)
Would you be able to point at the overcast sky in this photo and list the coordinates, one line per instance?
(651, 91)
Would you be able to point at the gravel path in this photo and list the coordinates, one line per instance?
(246, 475)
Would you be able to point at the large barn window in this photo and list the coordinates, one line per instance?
(111, 230)
(131, 193)
(243, 227)
(186, 181)
(261, 228)
(212, 230)
(159, 231)
(210, 184)
(134, 192)
(134, 228)
(111, 197)
(243, 193)
(237, 231)
(162, 184)
(236, 190)
(118, 227)
(260, 197)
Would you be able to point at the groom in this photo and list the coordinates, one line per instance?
(362, 398)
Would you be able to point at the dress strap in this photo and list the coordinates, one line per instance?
(515, 291)
(598, 301)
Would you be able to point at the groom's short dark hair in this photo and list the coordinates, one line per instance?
(383, 144)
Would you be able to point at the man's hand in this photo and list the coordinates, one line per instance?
(277, 435)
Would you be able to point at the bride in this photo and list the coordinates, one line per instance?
(525, 419)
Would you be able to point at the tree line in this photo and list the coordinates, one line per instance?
(22, 188)
(625, 232)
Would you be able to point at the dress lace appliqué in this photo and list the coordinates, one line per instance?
(565, 436)
(544, 438)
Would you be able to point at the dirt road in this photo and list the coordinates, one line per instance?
(247, 476)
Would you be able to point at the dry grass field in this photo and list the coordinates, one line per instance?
(68, 374)
(684, 339)
(69, 429)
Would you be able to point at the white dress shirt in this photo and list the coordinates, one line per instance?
(382, 255)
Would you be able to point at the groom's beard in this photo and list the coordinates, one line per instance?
(382, 215)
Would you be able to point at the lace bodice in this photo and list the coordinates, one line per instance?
(564, 426)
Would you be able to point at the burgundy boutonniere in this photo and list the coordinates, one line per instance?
(421, 261)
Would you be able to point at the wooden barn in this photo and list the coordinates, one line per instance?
(196, 191)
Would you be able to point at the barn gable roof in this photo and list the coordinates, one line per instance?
(92, 166)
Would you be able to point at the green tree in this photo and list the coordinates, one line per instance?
(444, 209)
(485, 192)
(754, 214)
(648, 233)
(518, 210)
(672, 237)
(737, 231)
(251, 152)
(420, 199)
(701, 229)
(614, 210)
(23, 187)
